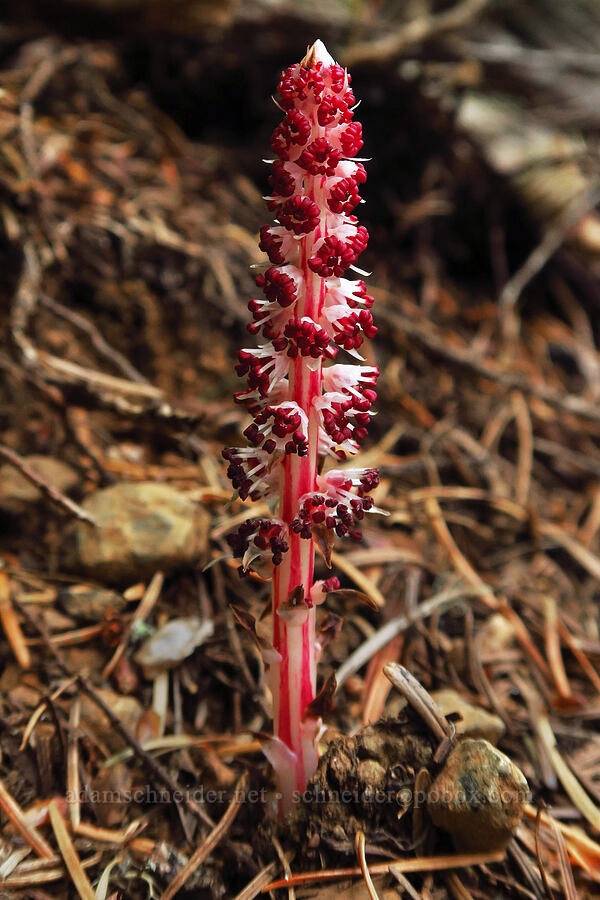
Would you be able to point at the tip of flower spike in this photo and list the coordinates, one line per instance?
(318, 53)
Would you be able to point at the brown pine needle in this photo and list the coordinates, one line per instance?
(11, 626)
(285, 865)
(71, 638)
(582, 849)
(26, 876)
(525, 449)
(39, 710)
(147, 603)
(210, 842)
(570, 783)
(540, 859)
(31, 835)
(69, 854)
(404, 864)
(524, 638)
(566, 871)
(459, 561)
(592, 521)
(361, 581)
(553, 652)
(557, 535)
(456, 887)
(142, 846)
(580, 656)
(359, 846)
(404, 883)
(377, 686)
(73, 782)
(588, 560)
(254, 887)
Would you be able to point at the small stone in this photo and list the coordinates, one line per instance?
(476, 723)
(17, 493)
(127, 709)
(172, 643)
(142, 527)
(478, 797)
(90, 604)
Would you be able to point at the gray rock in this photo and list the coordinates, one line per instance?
(90, 604)
(478, 797)
(141, 528)
(17, 494)
(475, 723)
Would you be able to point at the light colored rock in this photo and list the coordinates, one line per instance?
(172, 643)
(478, 797)
(17, 494)
(90, 604)
(142, 527)
(497, 635)
(127, 709)
(475, 723)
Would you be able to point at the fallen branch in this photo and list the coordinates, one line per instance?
(421, 29)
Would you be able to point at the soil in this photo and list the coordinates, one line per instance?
(130, 202)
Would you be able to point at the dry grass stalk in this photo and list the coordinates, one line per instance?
(69, 854)
(403, 864)
(570, 783)
(73, 780)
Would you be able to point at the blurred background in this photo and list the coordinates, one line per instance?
(133, 132)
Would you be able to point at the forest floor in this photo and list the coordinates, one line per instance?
(129, 224)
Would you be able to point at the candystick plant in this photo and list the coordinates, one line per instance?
(306, 409)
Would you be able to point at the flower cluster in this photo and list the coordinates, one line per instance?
(308, 314)
(338, 504)
(256, 537)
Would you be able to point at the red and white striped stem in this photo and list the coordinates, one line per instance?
(296, 674)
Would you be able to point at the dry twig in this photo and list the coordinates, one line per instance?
(416, 31)
(57, 497)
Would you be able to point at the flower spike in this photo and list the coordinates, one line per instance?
(304, 407)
